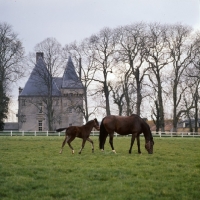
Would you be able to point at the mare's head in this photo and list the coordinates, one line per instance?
(149, 146)
(96, 124)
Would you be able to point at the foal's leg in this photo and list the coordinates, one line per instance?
(132, 142)
(111, 142)
(89, 140)
(138, 143)
(83, 144)
(63, 144)
(70, 139)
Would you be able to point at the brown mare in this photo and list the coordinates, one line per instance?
(80, 132)
(133, 124)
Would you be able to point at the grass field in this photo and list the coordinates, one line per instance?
(32, 168)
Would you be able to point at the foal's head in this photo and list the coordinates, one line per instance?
(96, 124)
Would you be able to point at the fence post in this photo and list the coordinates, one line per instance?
(22, 133)
(10, 133)
(160, 133)
(47, 133)
(35, 133)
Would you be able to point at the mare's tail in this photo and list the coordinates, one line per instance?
(102, 135)
(60, 129)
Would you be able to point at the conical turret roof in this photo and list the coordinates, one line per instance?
(70, 78)
(37, 84)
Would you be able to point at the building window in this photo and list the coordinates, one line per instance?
(39, 125)
(69, 110)
(23, 118)
(23, 102)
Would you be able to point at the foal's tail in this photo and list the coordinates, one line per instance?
(60, 129)
(102, 135)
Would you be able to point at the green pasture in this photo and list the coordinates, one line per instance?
(32, 168)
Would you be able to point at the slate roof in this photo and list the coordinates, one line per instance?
(185, 123)
(58, 81)
(70, 78)
(11, 126)
(36, 84)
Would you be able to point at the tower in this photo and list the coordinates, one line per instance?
(50, 100)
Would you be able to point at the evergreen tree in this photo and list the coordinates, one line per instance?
(4, 100)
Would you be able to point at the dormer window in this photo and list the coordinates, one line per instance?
(40, 107)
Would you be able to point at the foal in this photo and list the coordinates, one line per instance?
(80, 132)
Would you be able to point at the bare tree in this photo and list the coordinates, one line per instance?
(11, 65)
(180, 46)
(118, 96)
(86, 68)
(158, 57)
(103, 46)
(51, 66)
(188, 99)
(52, 50)
(131, 51)
(124, 90)
(193, 73)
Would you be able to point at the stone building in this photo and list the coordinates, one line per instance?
(184, 125)
(42, 93)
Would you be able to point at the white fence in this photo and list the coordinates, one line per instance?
(94, 133)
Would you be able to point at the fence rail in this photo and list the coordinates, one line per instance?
(94, 133)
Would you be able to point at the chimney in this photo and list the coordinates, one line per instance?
(80, 69)
(38, 55)
(20, 90)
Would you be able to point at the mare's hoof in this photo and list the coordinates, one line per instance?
(114, 151)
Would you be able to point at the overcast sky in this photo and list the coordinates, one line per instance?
(70, 20)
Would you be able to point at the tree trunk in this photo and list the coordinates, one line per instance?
(107, 99)
(138, 89)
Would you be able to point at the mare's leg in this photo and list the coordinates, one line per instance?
(63, 144)
(111, 142)
(138, 143)
(69, 140)
(83, 144)
(132, 142)
(92, 143)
